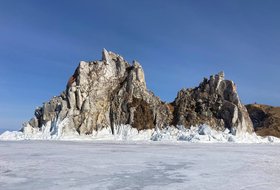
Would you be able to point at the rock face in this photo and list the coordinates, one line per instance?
(111, 92)
(214, 102)
(266, 119)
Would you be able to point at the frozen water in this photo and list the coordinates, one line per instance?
(138, 165)
(203, 134)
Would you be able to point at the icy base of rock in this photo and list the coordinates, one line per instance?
(203, 134)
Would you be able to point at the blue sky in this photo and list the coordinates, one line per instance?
(177, 42)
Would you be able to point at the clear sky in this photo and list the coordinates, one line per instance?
(178, 42)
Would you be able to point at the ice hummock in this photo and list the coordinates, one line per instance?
(202, 134)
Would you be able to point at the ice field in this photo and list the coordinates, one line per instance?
(138, 165)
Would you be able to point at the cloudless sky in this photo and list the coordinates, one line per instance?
(178, 42)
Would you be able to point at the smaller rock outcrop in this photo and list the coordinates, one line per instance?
(266, 119)
(214, 102)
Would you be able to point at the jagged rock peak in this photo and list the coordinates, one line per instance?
(109, 56)
(102, 94)
(214, 102)
(112, 92)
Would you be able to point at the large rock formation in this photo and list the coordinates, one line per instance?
(111, 92)
(266, 119)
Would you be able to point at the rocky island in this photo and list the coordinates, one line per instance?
(111, 92)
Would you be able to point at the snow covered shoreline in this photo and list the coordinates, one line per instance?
(200, 134)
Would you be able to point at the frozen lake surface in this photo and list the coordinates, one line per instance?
(136, 165)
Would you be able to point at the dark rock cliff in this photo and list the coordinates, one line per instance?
(266, 119)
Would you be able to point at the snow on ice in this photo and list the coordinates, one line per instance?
(134, 165)
(166, 158)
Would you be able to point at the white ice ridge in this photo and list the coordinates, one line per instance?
(202, 133)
